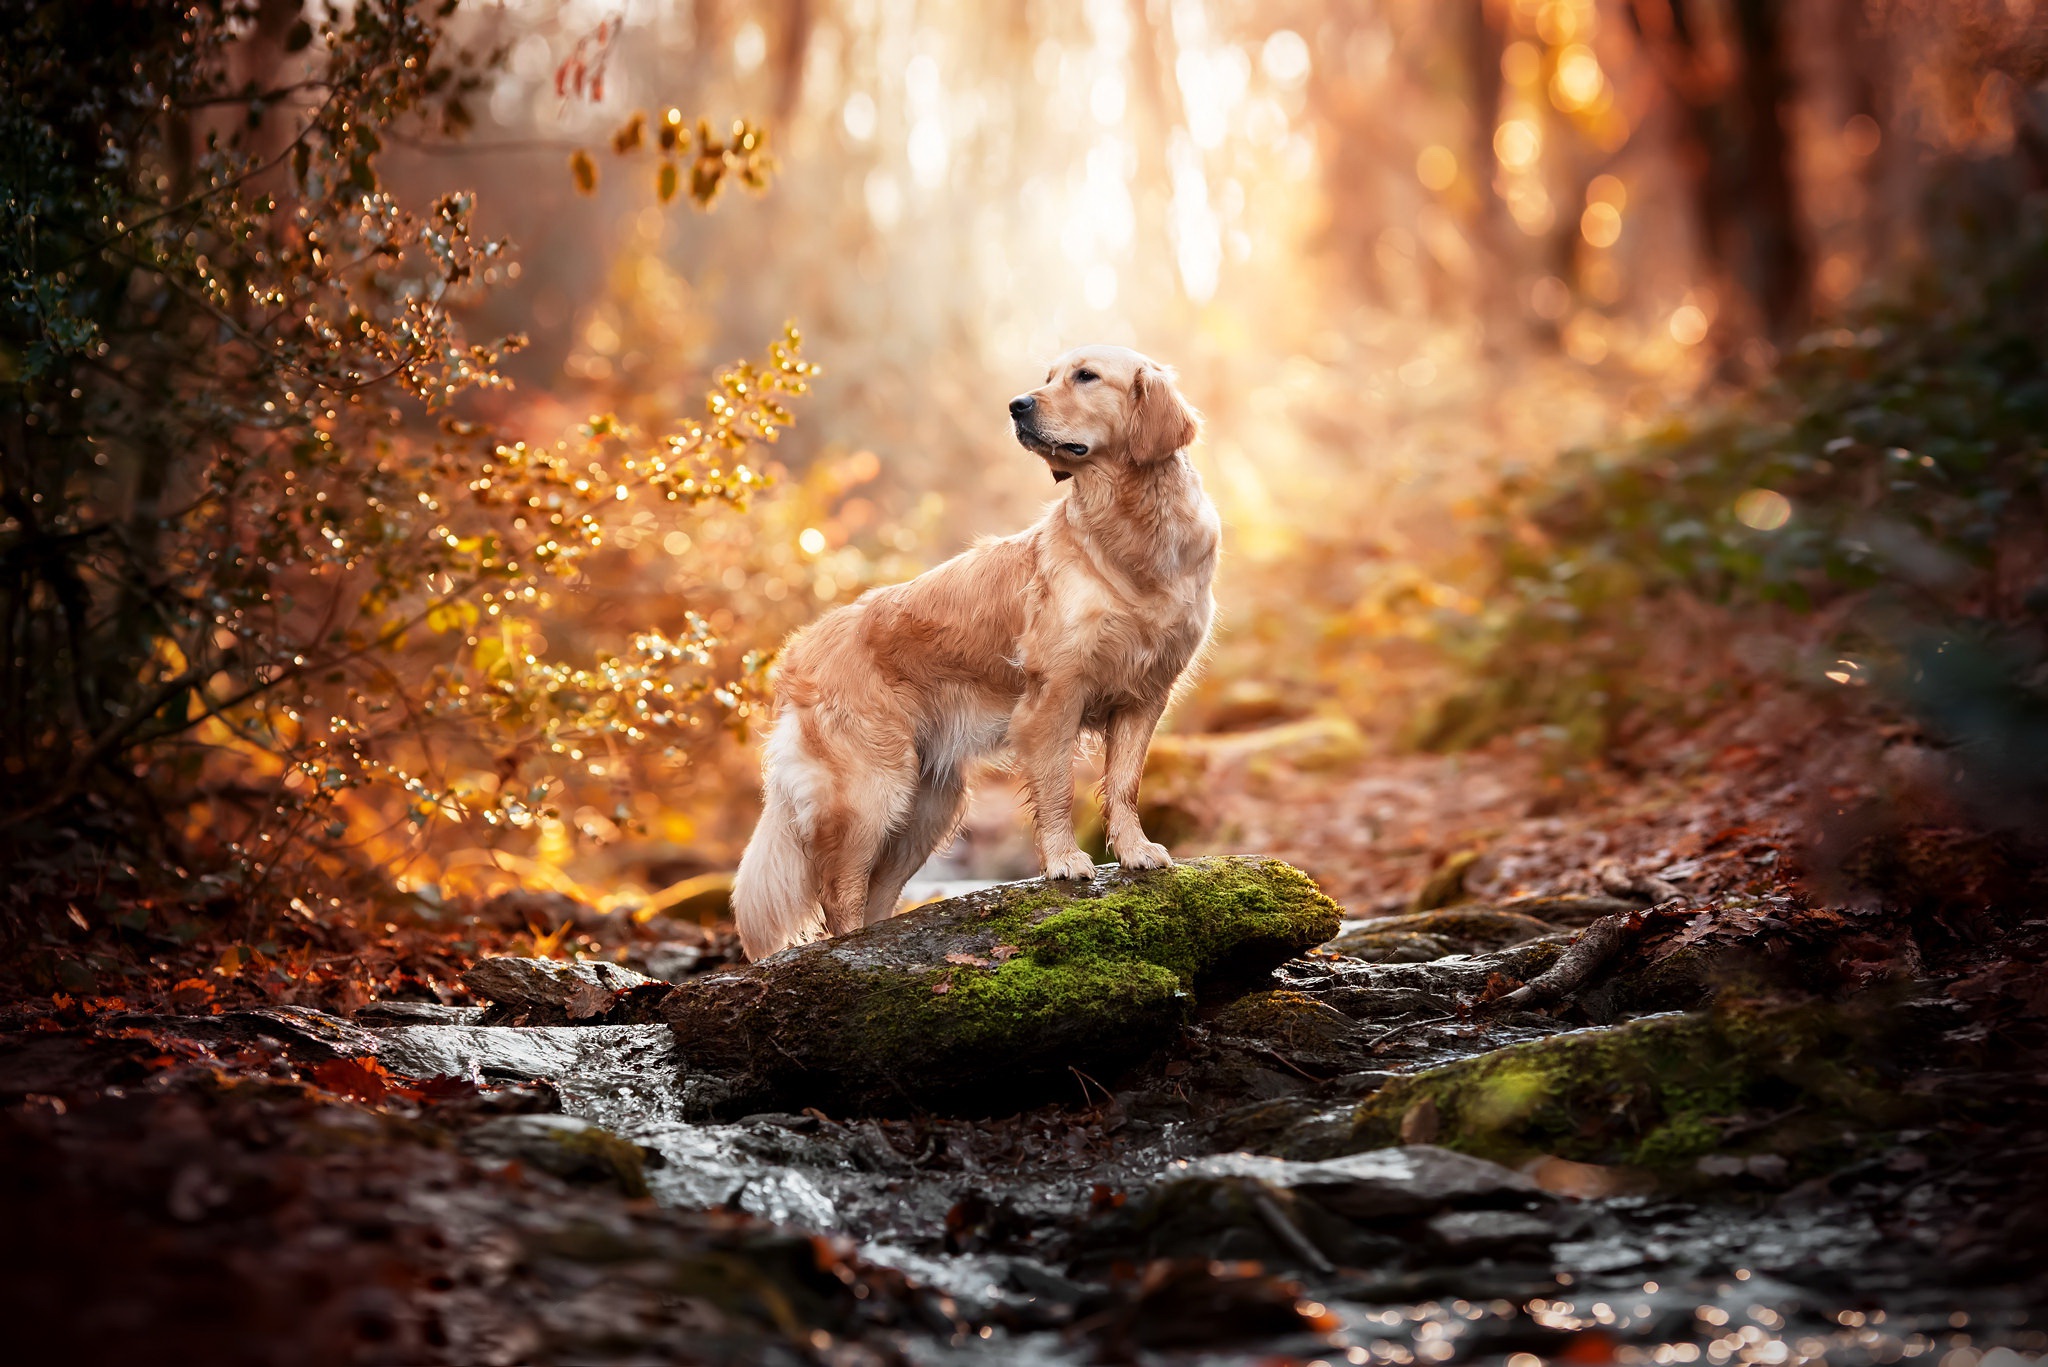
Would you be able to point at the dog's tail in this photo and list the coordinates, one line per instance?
(775, 895)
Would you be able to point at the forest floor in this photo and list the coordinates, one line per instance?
(194, 1173)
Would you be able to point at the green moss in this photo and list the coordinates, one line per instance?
(1127, 948)
(1655, 1093)
(979, 999)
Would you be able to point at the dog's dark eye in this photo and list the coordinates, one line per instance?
(1084, 376)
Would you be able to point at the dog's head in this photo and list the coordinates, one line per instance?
(1102, 404)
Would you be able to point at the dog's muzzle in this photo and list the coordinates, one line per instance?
(1023, 410)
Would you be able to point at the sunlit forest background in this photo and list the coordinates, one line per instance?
(1469, 292)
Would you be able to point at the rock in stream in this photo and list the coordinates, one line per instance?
(986, 999)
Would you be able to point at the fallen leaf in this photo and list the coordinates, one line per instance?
(972, 959)
(192, 992)
(942, 987)
(364, 1079)
(1002, 954)
(1420, 1124)
(585, 1000)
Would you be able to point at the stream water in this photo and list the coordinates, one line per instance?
(1023, 1222)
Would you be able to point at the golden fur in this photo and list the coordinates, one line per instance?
(1082, 622)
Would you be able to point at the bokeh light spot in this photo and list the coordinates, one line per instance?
(1517, 143)
(858, 114)
(1436, 168)
(1579, 80)
(1285, 57)
(1766, 510)
(749, 46)
(1688, 323)
(1521, 64)
(1600, 224)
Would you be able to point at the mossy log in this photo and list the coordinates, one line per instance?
(980, 1000)
(1654, 1093)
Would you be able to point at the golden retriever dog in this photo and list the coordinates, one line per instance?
(1082, 623)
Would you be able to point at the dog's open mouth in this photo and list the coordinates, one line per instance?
(1031, 439)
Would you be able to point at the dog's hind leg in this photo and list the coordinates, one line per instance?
(934, 816)
(847, 845)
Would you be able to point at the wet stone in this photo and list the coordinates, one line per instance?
(1385, 1184)
(565, 1146)
(559, 992)
(378, 1015)
(619, 1076)
(1493, 1233)
(307, 1035)
(989, 998)
(1424, 935)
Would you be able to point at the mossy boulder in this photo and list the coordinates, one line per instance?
(982, 1001)
(1655, 1093)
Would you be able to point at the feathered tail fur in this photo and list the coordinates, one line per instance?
(775, 895)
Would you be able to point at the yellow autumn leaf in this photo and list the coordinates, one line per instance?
(458, 615)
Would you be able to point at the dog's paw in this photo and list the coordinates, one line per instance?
(1145, 854)
(1074, 864)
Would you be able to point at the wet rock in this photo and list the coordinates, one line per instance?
(1386, 1184)
(306, 1035)
(673, 962)
(1394, 946)
(1448, 930)
(620, 1076)
(1366, 991)
(1201, 1302)
(1657, 1092)
(1252, 1127)
(378, 1015)
(1493, 1233)
(1363, 1211)
(571, 1149)
(69, 1065)
(983, 999)
(1284, 1018)
(1568, 908)
(1229, 1218)
(564, 992)
(714, 1167)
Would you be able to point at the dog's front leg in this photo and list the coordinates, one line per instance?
(1044, 729)
(1130, 734)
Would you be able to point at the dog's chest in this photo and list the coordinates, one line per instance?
(1116, 631)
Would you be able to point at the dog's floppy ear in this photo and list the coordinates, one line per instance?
(1161, 421)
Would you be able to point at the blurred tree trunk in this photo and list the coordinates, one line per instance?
(792, 45)
(1729, 91)
(1500, 295)
(1778, 269)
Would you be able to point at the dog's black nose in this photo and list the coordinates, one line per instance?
(1021, 405)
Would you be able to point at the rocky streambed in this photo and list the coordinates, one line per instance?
(1154, 1119)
